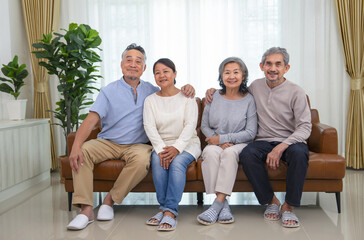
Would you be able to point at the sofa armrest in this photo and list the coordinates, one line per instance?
(72, 135)
(323, 139)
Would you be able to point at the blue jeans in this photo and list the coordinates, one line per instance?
(170, 183)
(253, 158)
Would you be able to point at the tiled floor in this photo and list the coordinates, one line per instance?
(44, 215)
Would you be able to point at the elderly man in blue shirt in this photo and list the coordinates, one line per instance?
(119, 107)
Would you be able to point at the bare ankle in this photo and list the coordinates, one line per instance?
(168, 213)
(286, 207)
(275, 201)
(88, 211)
(220, 197)
(108, 200)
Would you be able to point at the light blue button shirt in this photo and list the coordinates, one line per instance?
(121, 112)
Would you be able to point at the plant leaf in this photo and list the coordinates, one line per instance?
(6, 88)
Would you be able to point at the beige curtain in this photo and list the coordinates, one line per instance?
(41, 16)
(350, 15)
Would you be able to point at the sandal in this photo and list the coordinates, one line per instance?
(272, 209)
(154, 221)
(290, 216)
(167, 220)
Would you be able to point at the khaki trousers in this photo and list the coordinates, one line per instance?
(219, 168)
(136, 157)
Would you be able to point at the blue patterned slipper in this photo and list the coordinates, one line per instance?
(272, 209)
(154, 221)
(167, 220)
(210, 216)
(225, 215)
(290, 216)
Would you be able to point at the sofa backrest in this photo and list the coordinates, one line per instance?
(201, 105)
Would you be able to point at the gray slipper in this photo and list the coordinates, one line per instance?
(290, 216)
(158, 217)
(225, 215)
(272, 209)
(210, 216)
(167, 220)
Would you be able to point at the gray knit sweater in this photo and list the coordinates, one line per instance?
(234, 120)
(283, 112)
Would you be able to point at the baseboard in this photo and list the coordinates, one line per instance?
(20, 192)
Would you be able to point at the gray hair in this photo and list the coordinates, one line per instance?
(135, 47)
(243, 87)
(274, 50)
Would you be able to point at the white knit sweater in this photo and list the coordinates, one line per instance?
(171, 121)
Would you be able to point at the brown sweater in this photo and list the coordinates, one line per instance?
(283, 112)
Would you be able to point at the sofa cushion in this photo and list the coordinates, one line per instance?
(110, 170)
(321, 166)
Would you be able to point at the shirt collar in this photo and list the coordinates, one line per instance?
(125, 84)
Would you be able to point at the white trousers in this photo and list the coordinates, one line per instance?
(219, 168)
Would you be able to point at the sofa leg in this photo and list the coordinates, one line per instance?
(200, 198)
(100, 198)
(338, 202)
(70, 200)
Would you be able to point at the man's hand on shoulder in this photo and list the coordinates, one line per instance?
(208, 94)
(275, 155)
(188, 91)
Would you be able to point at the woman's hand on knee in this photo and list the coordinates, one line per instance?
(226, 145)
(168, 155)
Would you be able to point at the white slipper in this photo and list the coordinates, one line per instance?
(106, 213)
(79, 222)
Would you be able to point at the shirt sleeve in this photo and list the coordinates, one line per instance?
(151, 128)
(190, 123)
(205, 126)
(101, 105)
(302, 116)
(250, 131)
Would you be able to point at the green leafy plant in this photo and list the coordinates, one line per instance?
(71, 57)
(15, 80)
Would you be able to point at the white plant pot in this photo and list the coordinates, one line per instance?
(16, 109)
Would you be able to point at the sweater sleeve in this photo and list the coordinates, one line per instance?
(205, 126)
(189, 123)
(151, 128)
(250, 131)
(302, 115)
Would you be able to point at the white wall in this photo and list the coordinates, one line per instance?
(14, 42)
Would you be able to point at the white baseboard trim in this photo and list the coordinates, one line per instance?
(22, 191)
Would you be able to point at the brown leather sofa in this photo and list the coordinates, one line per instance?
(325, 172)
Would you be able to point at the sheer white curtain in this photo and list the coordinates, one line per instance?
(198, 34)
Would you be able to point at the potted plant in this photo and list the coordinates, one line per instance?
(15, 80)
(71, 57)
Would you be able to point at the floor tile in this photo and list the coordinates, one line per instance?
(45, 215)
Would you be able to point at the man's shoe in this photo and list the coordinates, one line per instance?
(106, 213)
(79, 222)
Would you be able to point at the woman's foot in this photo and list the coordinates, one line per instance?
(225, 215)
(168, 222)
(155, 220)
(210, 216)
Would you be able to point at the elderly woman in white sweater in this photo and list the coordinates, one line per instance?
(229, 122)
(170, 121)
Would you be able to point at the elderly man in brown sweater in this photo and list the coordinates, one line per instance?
(284, 124)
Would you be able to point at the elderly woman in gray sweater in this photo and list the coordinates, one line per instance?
(229, 123)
